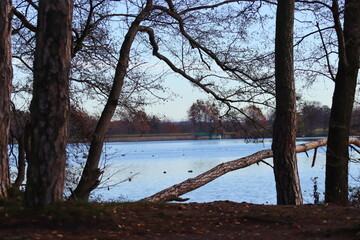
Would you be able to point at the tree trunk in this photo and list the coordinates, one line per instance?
(337, 155)
(21, 164)
(90, 176)
(50, 104)
(284, 131)
(6, 75)
(174, 192)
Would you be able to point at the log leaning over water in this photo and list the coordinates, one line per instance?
(191, 184)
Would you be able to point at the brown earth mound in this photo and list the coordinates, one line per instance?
(215, 220)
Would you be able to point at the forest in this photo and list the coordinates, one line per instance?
(59, 56)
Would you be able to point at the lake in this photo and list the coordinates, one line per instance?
(155, 166)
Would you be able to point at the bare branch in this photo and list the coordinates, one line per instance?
(197, 82)
(24, 62)
(93, 84)
(23, 20)
(339, 31)
(194, 44)
(218, 5)
(87, 29)
(33, 4)
(326, 53)
(314, 157)
(310, 34)
(314, 2)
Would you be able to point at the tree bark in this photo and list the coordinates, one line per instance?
(6, 75)
(50, 104)
(337, 155)
(284, 131)
(174, 192)
(91, 173)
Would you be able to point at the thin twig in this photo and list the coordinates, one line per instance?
(355, 149)
(263, 161)
(314, 158)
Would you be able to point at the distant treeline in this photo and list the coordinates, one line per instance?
(312, 121)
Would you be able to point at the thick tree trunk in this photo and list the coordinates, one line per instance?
(50, 104)
(90, 176)
(6, 75)
(174, 192)
(284, 131)
(337, 155)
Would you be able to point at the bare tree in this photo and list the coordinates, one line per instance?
(284, 132)
(337, 155)
(140, 121)
(337, 27)
(90, 176)
(205, 116)
(6, 75)
(50, 103)
(251, 125)
(313, 116)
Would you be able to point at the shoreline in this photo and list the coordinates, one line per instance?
(189, 136)
(146, 138)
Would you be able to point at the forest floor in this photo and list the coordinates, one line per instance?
(214, 220)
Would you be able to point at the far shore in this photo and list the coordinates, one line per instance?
(160, 137)
(184, 136)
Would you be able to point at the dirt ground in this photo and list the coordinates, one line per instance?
(215, 220)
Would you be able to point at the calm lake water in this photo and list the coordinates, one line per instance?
(159, 165)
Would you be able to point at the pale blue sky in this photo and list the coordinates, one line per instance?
(176, 110)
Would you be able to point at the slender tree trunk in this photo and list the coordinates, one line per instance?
(50, 104)
(174, 192)
(337, 155)
(21, 164)
(90, 176)
(6, 75)
(284, 132)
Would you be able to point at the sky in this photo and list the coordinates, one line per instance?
(176, 110)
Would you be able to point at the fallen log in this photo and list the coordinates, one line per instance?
(191, 184)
